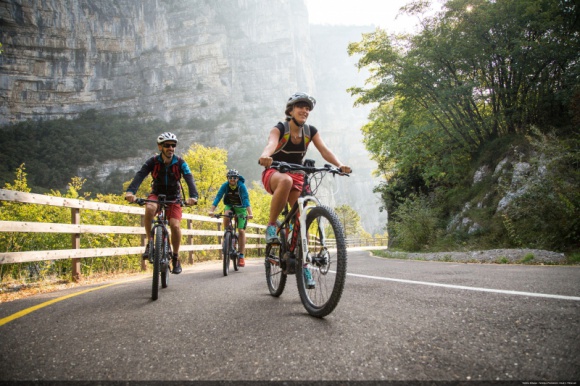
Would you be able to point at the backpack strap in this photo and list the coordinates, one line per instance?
(156, 168)
(176, 168)
(177, 174)
(286, 138)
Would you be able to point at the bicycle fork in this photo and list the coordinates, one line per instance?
(302, 213)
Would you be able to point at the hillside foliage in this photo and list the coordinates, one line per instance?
(487, 89)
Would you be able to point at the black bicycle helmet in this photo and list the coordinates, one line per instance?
(299, 97)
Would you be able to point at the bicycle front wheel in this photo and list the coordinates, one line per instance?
(275, 276)
(157, 253)
(234, 252)
(165, 271)
(227, 248)
(321, 282)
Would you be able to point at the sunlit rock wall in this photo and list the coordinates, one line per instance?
(168, 59)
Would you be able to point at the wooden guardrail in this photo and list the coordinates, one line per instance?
(76, 229)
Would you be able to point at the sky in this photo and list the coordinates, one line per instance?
(381, 13)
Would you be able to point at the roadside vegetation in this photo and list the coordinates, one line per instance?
(475, 127)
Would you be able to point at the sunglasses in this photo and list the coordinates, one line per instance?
(233, 178)
(168, 145)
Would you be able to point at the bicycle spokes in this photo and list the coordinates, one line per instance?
(321, 281)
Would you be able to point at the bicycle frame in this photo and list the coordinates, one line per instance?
(301, 206)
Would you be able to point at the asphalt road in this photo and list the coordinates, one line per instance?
(397, 320)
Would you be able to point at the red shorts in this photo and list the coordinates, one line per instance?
(297, 180)
(173, 210)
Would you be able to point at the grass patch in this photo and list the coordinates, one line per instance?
(573, 258)
(502, 260)
(447, 258)
(527, 258)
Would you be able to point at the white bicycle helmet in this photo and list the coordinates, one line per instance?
(233, 173)
(167, 136)
(300, 97)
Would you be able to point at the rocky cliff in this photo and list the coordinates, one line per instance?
(236, 60)
(154, 58)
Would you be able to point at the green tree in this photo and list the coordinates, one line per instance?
(209, 168)
(260, 201)
(350, 220)
(477, 72)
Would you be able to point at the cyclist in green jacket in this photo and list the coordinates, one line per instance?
(236, 198)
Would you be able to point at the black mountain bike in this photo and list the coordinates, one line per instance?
(159, 245)
(312, 245)
(230, 241)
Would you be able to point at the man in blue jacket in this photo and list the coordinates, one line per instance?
(236, 199)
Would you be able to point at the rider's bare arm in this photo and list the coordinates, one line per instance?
(273, 138)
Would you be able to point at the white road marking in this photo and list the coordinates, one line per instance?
(519, 293)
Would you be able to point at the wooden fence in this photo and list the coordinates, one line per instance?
(76, 229)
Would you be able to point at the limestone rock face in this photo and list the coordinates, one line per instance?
(166, 59)
(232, 61)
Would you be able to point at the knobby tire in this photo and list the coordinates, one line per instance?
(157, 253)
(234, 252)
(165, 271)
(226, 252)
(275, 277)
(330, 275)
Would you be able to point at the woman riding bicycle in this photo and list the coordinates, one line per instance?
(166, 170)
(236, 199)
(288, 142)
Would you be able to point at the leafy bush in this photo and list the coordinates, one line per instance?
(415, 226)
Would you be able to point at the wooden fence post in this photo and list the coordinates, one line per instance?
(220, 238)
(76, 244)
(190, 240)
(144, 242)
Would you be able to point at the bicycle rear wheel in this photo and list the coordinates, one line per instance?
(227, 247)
(275, 276)
(328, 266)
(157, 252)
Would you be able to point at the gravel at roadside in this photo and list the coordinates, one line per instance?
(492, 256)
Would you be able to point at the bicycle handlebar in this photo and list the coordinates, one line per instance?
(284, 167)
(231, 215)
(143, 201)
